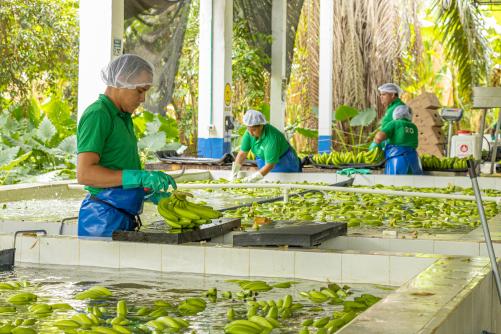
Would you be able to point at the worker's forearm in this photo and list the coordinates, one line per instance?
(98, 176)
(241, 157)
(380, 137)
(266, 169)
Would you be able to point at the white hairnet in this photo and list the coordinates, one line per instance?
(254, 117)
(390, 88)
(128, 71)
(402, 112)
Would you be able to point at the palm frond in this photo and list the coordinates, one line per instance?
(460, 25)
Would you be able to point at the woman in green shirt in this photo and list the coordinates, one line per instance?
(401, 136)
(108, 160)
(272, 150)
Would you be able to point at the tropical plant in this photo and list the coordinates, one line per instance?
(461, 28)
(39, 51)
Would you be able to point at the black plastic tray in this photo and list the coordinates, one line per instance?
(225, 159)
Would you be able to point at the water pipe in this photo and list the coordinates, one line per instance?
(286, 187)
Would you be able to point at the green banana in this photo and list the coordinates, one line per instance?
(23, 330)
(22, 298)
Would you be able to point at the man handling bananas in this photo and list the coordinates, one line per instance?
(108, 160)
(402, 136)
(272, 150)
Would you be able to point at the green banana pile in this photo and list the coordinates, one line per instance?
(106, 315)
(96, 292)
(433, 162)
(179, 213)
(376, 211)
(349, 158)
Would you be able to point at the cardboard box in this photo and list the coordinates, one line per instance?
(424, 101)
(437, 150)
(426, 117)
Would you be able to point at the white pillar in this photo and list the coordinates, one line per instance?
(278, 57)
(214, 83)
(101, 40)
(325, 76)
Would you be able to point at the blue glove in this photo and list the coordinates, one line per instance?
(155, 196)
(373, 146)
(154, 180)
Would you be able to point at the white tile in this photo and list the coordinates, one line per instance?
(482, 305)
(404, 180)
(385, 180)
(463, 182)
(424, 181)
(29, 250)
(59, 250)
(411, 245)
(335, 243)
(183, 258)
(360, 268)
(318, 266)
(140, 255)
(368, 244)
(363, 180)
(466, 313)
(456, 248)
(495, 245)
(227, 261)
(6, 241)
(271, 263)
(403, 268)
(443, 181)
(99, 253)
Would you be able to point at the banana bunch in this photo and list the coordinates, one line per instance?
(167, 323)
(179, 213)
(332, 293)
(429, 161)
(96, 292)
(348, 158)
(40, 309)
(22, 298)
(255, 325)
(192, 306)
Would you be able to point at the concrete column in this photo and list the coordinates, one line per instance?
(101, 40)
(214, 86)
(278, 57)
(325, 76)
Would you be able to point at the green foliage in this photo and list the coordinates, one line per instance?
(461, 28)
(364, 118)
(343, 113)
(249, 67)
(39, 51)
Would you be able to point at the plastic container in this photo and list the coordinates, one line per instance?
(465, 144)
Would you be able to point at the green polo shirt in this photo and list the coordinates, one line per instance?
(270, 146)
(401, 132)
(388, 116)
(109, 132)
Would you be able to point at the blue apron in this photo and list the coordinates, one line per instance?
(110, 210)
(401, 160)
(288, 163)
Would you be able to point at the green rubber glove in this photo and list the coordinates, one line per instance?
(155, 197)
(154, 180)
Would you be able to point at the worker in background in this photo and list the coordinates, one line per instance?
(389, 95)
(402, 136)
(108, 161)
(272, 150)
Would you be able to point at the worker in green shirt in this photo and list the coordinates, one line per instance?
(389, 96)
(108, 161)
(402, 137)
(272, 150)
